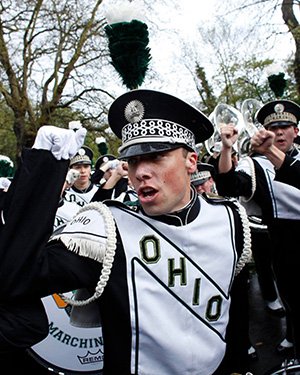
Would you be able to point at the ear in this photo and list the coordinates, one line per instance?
(191, 162)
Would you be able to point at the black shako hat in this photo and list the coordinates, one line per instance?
(203, 173)
(150, 121)
(279, 113)
(83, 156)
(104, 159)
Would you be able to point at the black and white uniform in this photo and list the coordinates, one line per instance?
(289, 172)
(80, 197)
(165, 308)
(162, 265)
(277, 195)
(65, 212)
(121, 192)
(71, 202)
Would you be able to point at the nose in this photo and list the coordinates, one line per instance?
(278, 131)
(142, 171)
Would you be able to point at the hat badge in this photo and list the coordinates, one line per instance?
(279, 108)
(81, 151)
(134, 111)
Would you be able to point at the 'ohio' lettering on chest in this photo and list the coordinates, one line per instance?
(81, 219)
(177, 275)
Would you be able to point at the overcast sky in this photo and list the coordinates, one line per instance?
(174, 33)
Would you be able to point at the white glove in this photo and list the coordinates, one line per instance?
(112, 164)
(63, 143)
(72, 176)
(4, 183)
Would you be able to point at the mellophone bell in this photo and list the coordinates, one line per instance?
(243, 119)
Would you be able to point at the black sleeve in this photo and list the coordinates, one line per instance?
(233, 184)
(97, 176)
(289, 172)
(22, 324)
(29, 211)
(2, 198)
(102, 194)
(237, 332)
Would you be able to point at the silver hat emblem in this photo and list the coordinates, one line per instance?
(81, 151)
(279, 108)
(134, 111)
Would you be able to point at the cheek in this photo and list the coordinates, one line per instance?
(130, 173)
(175, 177)
(131, 177)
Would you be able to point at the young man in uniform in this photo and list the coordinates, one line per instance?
(203, 178)
(163, 281)
(83, 189)
(270, 180)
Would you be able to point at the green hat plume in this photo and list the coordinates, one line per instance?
(277, 84)
(129, 51)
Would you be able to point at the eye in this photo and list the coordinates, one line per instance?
(132, 161)
(157, 156)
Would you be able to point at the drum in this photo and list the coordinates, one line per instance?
(68, 349)
(289, 367)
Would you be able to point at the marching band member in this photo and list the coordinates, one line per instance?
(82, 190)
(204, 179)
(270, 179)
(164, 285)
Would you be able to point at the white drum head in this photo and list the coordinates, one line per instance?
(67, 349)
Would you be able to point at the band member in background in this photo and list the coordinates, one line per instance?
(204, 179)
(112, 175)
(268, 179)
(82, 190)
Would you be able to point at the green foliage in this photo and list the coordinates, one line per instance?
(245, 79)
(205, 90)
(8, 140)
(129, 52)
(62, 116)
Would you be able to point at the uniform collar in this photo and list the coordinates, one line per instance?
(83, 191)
(184, 216)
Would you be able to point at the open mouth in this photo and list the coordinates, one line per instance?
(146, 193)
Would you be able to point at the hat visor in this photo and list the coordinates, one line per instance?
(147, 148)
(200, 181)
(280, 123)
(82, 162)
